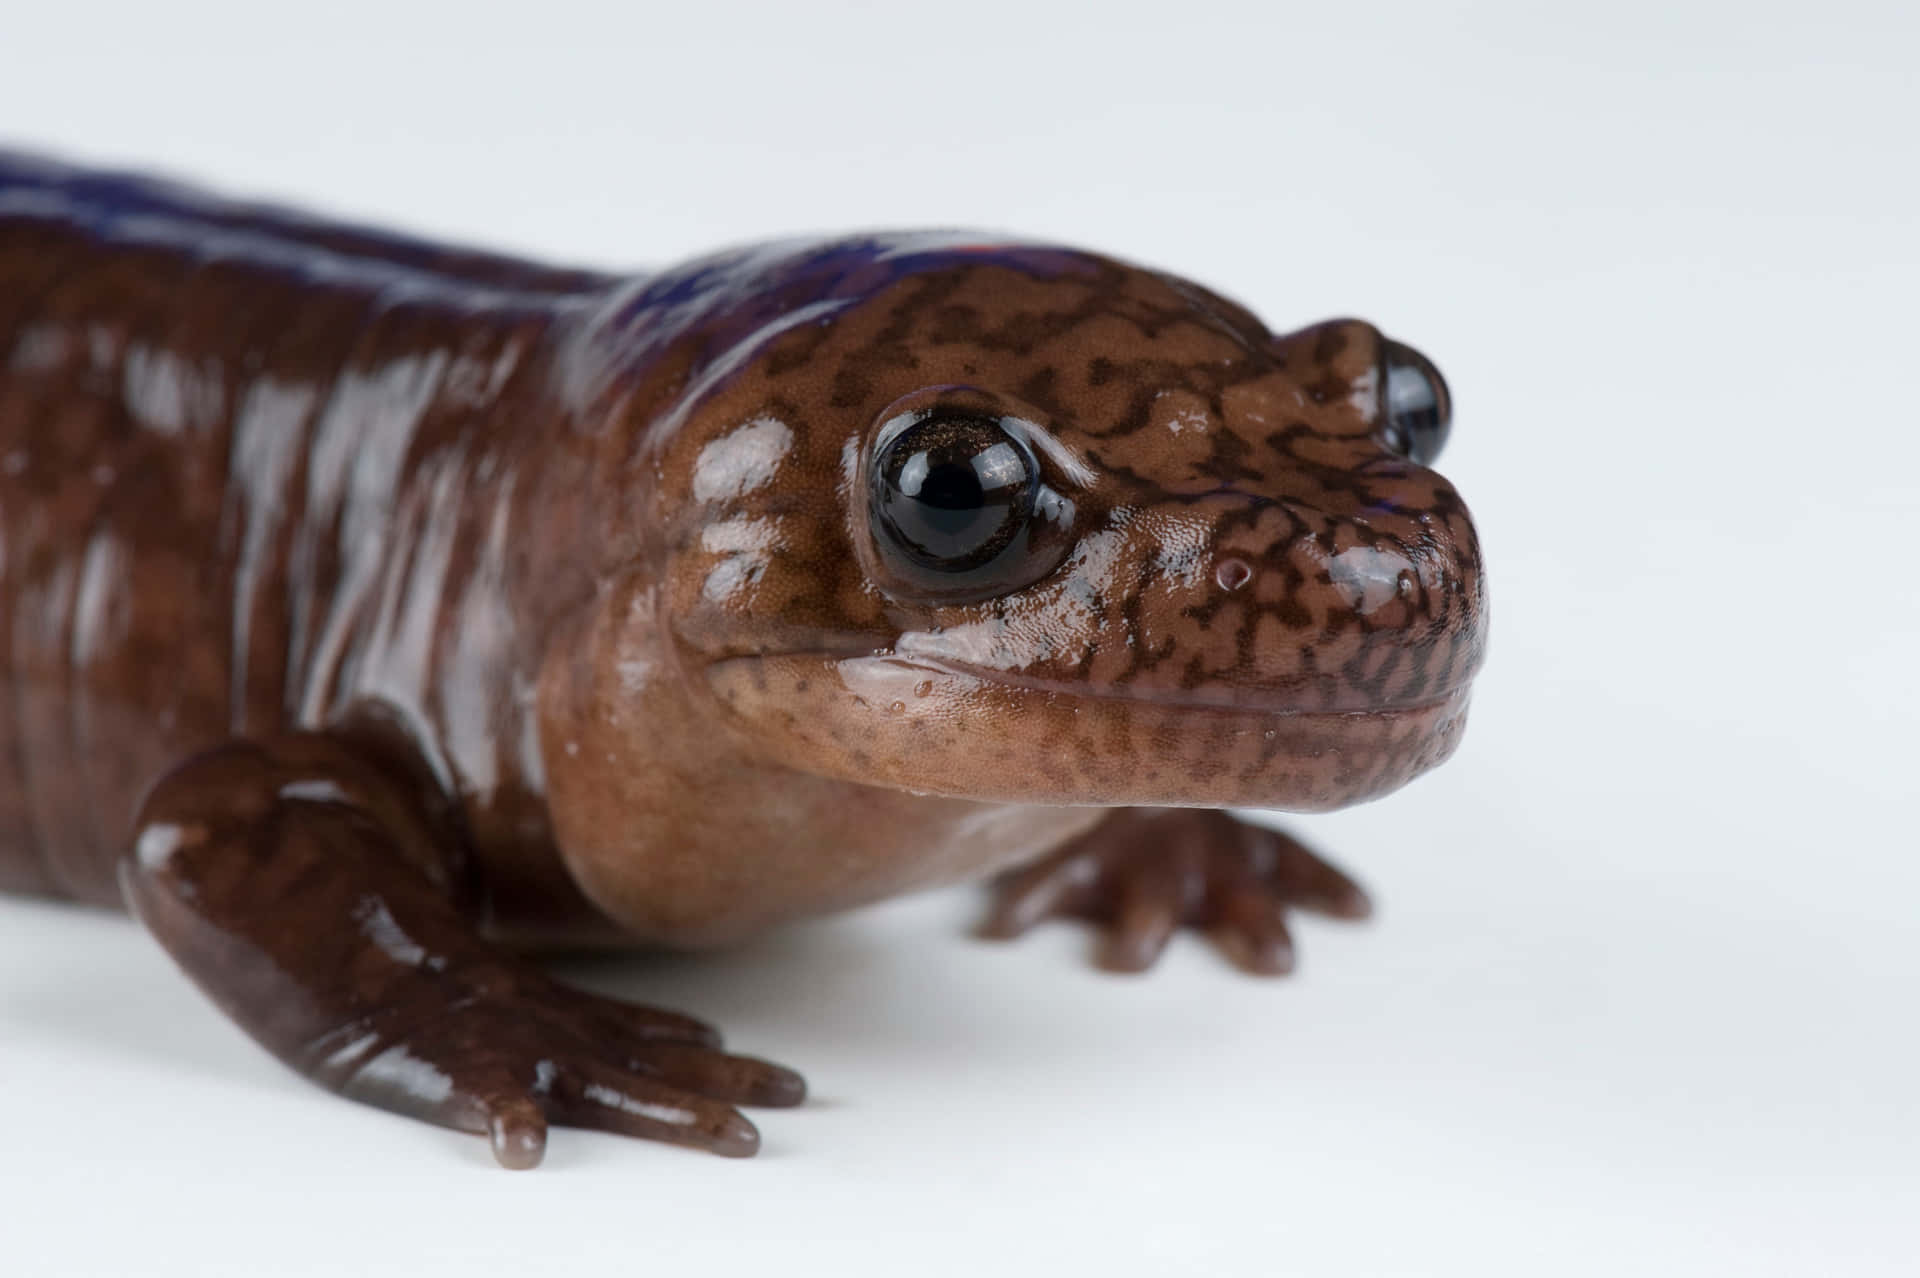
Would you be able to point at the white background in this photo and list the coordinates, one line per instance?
(1641, 997)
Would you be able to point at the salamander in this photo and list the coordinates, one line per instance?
(378, 614)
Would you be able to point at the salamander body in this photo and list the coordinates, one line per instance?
(374, 612)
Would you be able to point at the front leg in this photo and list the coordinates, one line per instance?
(1144, 872)
(311, 895)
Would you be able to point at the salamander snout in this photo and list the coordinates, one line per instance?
(1331, 607)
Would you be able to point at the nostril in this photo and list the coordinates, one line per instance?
(1232, 573)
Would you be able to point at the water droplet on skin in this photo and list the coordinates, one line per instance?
(922, 688)
(898, 707)
(1232, 573)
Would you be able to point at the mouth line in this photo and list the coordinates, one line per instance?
(1254, 703)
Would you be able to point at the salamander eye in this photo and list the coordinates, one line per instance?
(1419, 412)
(952, 492)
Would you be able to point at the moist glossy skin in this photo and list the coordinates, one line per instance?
(371, 606)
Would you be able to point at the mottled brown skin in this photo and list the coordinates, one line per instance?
(374, 612)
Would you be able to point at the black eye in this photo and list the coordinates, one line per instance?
(1419, 411)
(953, 492)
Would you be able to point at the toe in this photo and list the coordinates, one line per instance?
(1037, 892)
(1252, 931)
(1149, 913)
(738, 1080)
(1304, 879)
(610, 1100)
(517, 1130)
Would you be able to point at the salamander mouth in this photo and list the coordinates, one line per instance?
(1299, 696)
(941, 727)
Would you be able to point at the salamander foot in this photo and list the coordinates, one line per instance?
(1144, 872)
(309, 891)
(518, 1051)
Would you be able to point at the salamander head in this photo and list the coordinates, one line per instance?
(1012, 522)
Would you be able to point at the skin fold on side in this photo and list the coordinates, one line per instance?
(376, 613)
